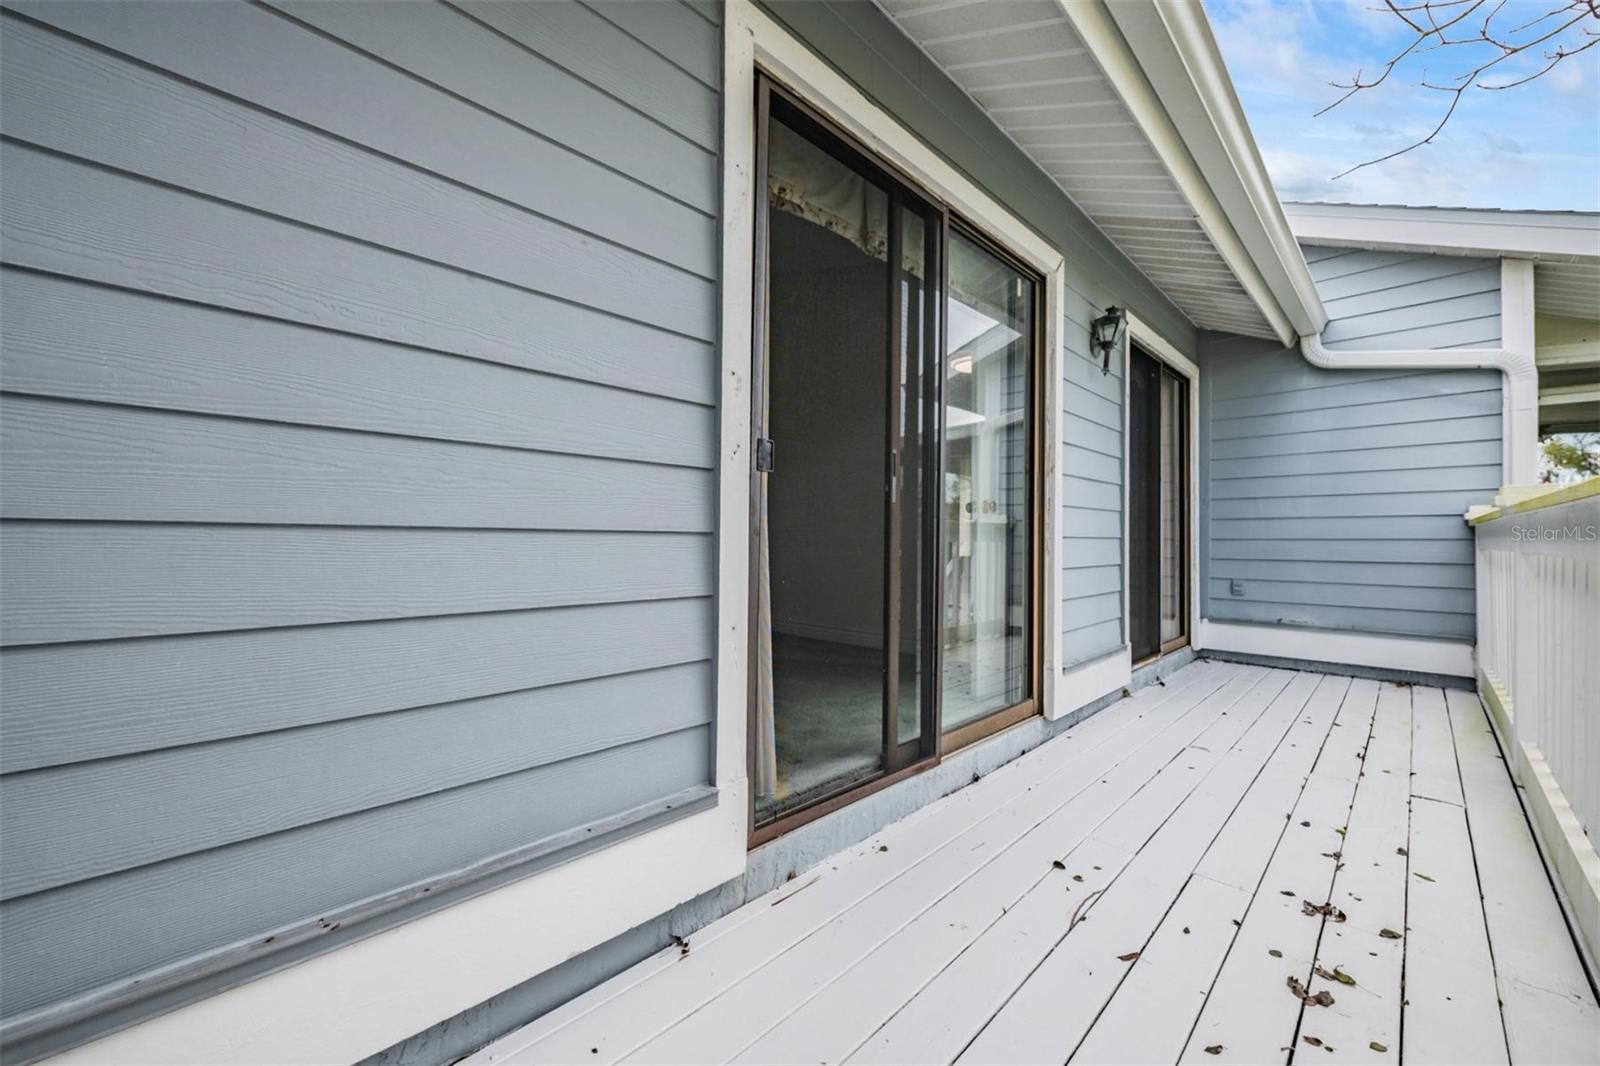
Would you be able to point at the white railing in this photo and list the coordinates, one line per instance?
(1538, 563)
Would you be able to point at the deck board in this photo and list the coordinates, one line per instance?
(1183, 812)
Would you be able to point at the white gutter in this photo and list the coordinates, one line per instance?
(1520, 386)
(1095, 25)
(1173, 45)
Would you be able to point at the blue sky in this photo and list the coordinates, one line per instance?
(1537, 146)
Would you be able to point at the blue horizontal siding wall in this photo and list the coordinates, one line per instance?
(1335, 497)
(359, 370)
(1406, 300)
(861, 41)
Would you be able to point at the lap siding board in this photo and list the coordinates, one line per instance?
(313, 457)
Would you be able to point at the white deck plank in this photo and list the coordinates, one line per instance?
(633, 1008)
(1433, 755)
(1240, 854)
(1049, 1015)
(1369, 886)
(1055, 824)
(958, 943)
(1149, 1016)
(1250, 1014)
(1452, 1007)
(1194, 937)
(952, 1008)
(1549, 1010)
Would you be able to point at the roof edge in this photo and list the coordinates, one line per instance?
(1548, 236)
(1173, 43)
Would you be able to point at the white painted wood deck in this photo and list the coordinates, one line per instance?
(1142, 889)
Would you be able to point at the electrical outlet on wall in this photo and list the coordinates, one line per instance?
(1236, 587)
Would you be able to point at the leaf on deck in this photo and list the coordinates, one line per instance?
(1323, 998)
(1335, 974)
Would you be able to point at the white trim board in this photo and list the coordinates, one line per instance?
(1081, 685)
(1168, 353)
(1383, 652)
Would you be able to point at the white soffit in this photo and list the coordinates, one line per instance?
(1564, 245)
(1023, 63)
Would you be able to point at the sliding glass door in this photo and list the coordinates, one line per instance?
(989, 525)
(845, 455)
(1158, 456)
(893, 499)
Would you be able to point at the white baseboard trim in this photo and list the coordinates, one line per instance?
(1083, 684)
(1385, 652)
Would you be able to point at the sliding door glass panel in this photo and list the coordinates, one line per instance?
(1171, 507)
(828, 403)
(988, 486)
(910, 415)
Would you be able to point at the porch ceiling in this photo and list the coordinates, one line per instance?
(1571, 290)
(1025, 64)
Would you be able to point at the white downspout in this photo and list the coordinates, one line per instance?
(1520, 392)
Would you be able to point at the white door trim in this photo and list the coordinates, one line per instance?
(1168, 353)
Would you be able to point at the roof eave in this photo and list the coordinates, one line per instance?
(1546, 236)
(1171, 47)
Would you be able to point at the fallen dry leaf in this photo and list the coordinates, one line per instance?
(1323, 998)
(1327, 910)
(1129, 957)
(1388, 934)
(1375, 1046)
(1214, 1049)
(1401, 851)
(1425, 877)
(1059, 865)
(1275, 953)
(1335, 974)
(1077, 877)
(1312, 1040)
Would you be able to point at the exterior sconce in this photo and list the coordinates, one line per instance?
(1106, 333)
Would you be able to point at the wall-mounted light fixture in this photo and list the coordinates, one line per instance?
(1106, 332)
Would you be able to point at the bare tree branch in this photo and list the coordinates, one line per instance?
(1441, 27)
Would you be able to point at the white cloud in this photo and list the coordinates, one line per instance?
(1532, 146)
(1567, 77)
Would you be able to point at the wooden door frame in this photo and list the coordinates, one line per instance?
(900, 759)
(1004, 718)
(1047, 279)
